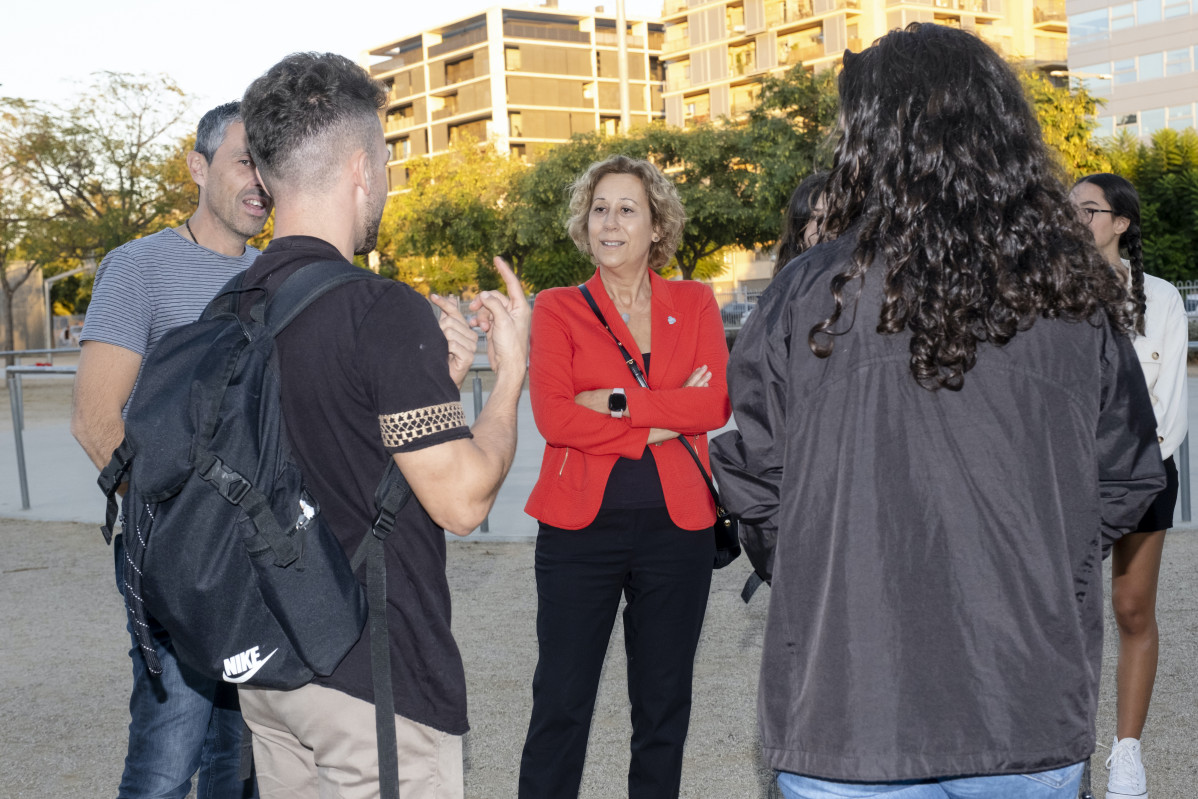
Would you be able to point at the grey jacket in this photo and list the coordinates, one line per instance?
(936, 607)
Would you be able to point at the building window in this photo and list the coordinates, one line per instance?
(1181, 116)
(1104, 127)
(742, 60)
(516, 124)
(511, 58)
(1125, 71)
(1152, 66)
(609, 126)
(1177, 62)
(459, 71)
(1123, 16)
(1151, 121)
(1148, 11)
(1176, 8)
(520, 151)
(1096, 86)
(1128, 122)
(1092, 26)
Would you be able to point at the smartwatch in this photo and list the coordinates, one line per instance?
(617, 403)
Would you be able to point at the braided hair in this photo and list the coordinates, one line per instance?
(1125, 202)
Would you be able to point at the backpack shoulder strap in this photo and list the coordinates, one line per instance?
(391, 495)
(226, 299)
(307, 285)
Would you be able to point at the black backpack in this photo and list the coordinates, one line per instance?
(225, 547)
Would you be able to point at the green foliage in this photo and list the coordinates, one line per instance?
(791, 133)
(540, 209)
(452, 218)
(1066, 117)
(1165, 174)
(94, 174)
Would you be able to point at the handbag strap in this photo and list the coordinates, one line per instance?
(640, 379)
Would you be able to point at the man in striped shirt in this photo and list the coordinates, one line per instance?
(180, 722)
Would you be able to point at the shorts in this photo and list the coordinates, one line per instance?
(1159, 515)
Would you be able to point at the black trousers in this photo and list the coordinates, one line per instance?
(664, 573)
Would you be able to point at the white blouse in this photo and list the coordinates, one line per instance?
(1162, 350)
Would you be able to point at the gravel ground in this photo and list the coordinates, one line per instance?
(64, 674)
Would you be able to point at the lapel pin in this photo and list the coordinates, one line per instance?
(671, 319)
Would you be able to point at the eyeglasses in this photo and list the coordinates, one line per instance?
(1086, 215)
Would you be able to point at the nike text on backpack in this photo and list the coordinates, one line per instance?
(225, 548)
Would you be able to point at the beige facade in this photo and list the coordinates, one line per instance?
(29, 311)
(1140, 58)
(526, 78)
(716, 51)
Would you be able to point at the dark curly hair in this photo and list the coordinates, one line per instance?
(942, 171)
(1125, 202)
(799, 212)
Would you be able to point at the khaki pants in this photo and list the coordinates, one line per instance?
(319, 743)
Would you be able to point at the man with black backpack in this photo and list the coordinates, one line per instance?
(180, 721)
(364, 383)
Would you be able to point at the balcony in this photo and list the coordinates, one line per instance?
(457, 41)
(397, 123)
(1049, 14)
(1052, 51)
(550, 33)
(395, 62)
(798, 53)
(676, 41)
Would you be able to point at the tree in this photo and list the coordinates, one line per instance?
(711, 170)
(106, 169)
(540, 209)
(717, 185)
(1066, 117)
(791, 133)
(452, 218)
(1165, 174)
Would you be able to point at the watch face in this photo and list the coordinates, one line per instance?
(617, 403)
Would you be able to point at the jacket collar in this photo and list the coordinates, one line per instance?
(666, 333)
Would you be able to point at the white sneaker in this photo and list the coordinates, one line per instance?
(1126, 778)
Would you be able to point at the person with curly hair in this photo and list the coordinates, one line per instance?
(1109, 205)
(942, 423)
(623, 509)
(800, 229)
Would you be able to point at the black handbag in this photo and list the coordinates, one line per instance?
(727, 527)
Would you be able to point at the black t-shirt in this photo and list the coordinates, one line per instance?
(364, 374)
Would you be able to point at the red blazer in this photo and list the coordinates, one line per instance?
(571, 352)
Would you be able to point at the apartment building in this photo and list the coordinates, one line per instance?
(1141, 58)
(525, 77)
(717, 50)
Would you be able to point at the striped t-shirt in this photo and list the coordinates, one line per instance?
(147, 286)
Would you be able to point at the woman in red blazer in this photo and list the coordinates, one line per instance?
(622, 507)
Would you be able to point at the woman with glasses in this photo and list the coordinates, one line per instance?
(1110, 207)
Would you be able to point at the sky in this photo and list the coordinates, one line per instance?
(212, 48)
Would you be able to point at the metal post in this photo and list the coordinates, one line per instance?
(1182, 461)
(622, 55)
(478, 408)
(15, 403)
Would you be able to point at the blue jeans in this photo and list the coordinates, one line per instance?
(180, 723)
(1061, 783)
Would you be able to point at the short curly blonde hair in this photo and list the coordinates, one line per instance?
(665, 209)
